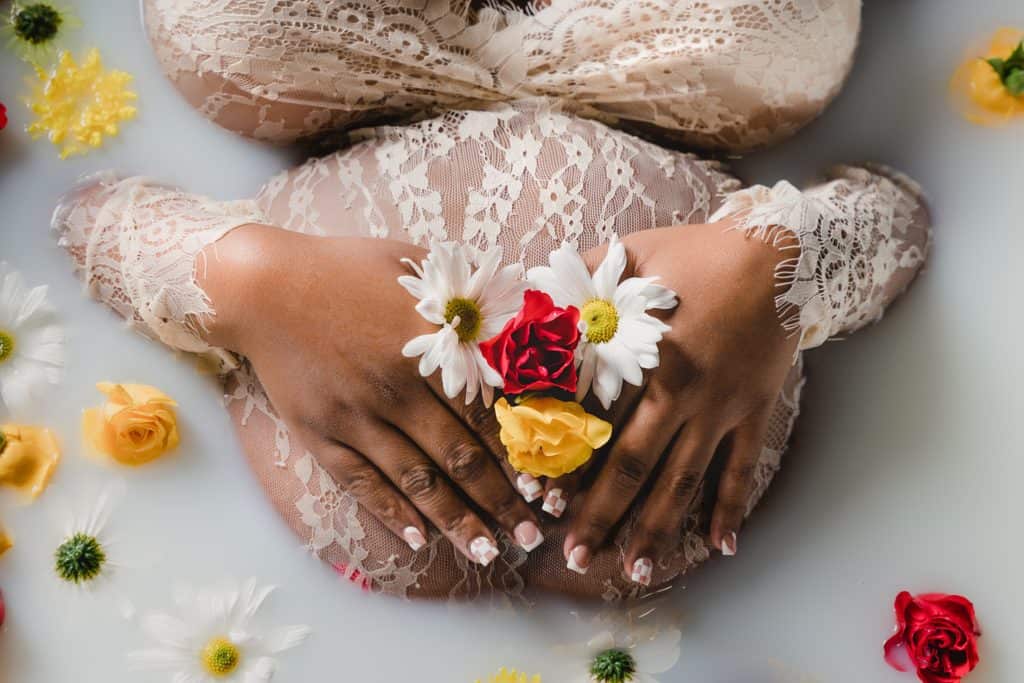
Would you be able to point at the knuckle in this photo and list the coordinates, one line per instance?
(420, 481)
(732, 509)
(742, 473)
(505, 506)
(478, 417)
(359, 483)
(683, 484)
(595, 528)
(659, 536)
(465, 462)
(454, 523)
(630, 470)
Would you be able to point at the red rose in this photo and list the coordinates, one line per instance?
(940, 634)
(535, 350)
(3, 116)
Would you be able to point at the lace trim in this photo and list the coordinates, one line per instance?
(853, 235)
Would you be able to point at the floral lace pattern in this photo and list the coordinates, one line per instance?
(525, 177)
(732, 74)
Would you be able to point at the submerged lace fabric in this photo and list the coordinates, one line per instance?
(524, 177)
(734, 74)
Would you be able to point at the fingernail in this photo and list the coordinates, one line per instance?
(554, 503)
(642, 569)
(579, 559)
(529, 487)
(483, 550)
(528, 536)
(729, 544)
(413, 537)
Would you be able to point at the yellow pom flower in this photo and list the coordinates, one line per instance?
(547, 437)
(6, 543)
(137, 424)
(505, 676)
(77, 106)
(28, 457)
(976, 88)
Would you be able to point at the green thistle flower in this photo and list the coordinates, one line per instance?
(80, 559)
(613, 666)
(34, 29)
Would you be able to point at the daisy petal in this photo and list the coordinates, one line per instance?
(607, 276)
(285, 638)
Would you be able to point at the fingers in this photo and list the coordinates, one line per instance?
(362, 479)
(736, 484)
(472, 469)
(660, 522)
(633, 457)
(426, 487)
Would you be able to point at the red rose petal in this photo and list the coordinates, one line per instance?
(935, 633)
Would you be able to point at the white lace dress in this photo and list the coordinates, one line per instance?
(524, 174)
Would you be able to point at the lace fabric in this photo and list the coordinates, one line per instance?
(731, 74)
(525, 176)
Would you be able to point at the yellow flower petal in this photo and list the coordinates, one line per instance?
(28, 459)
(6, 542)
(136, 425)
(548, 437)
(506, 676)
(76, 105)
(976, 88)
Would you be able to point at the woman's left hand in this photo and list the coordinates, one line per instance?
(722, 367)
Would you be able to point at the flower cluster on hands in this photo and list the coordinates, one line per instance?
(938, 633)
(544, 339)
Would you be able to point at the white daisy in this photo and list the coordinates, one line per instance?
(213, 637)
(620, 339)
(623, 648)
(31, 344)
(87, 556)
(471, 306)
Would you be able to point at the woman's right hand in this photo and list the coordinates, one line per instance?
(323, 322)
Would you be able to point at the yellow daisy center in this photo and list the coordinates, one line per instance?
(6, 345)
(220, 657)
(468, 313)
(601, 319)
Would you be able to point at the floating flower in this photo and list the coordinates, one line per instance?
(990, 90)
(35, 28)
(620, 339)
(506, 676)
(470, 306)
(83, 557)
(28, 457)
(3, 116)
(76, 106)
(624, 652)
(3, 609)
(214, 637)
(6, 542)
(547, 437)
(31, 344)
(137, 423)
(939, 633)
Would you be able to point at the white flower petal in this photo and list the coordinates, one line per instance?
(158, 659)
(487, 266)
(34, 301)
(167, 630)
(658, 654)
(259, 671)
(285, 638)
(586, 370)
(432, 310)
(607, 276)
(566, 280)
(417, 346)
(617, 355)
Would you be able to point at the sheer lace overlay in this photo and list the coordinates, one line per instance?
(526, 176)
(732, 74)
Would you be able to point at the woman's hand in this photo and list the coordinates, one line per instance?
(722, 366)
(323, 322)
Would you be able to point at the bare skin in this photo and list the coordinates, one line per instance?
(408, 453)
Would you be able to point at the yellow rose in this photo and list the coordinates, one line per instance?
(28, 456)
(547, 437)
(136, 424)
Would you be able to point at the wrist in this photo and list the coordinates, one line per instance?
(231, 272)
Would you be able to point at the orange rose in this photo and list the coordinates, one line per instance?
(137, 424)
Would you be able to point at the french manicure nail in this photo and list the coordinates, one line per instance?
(528, 536)
(483, 550)
(413, 537)
(529, 487)
(554, 503)
(642, 569)
(729, 544)
(579, 559)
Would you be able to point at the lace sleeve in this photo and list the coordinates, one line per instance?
(863, 235)
(135, 244)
